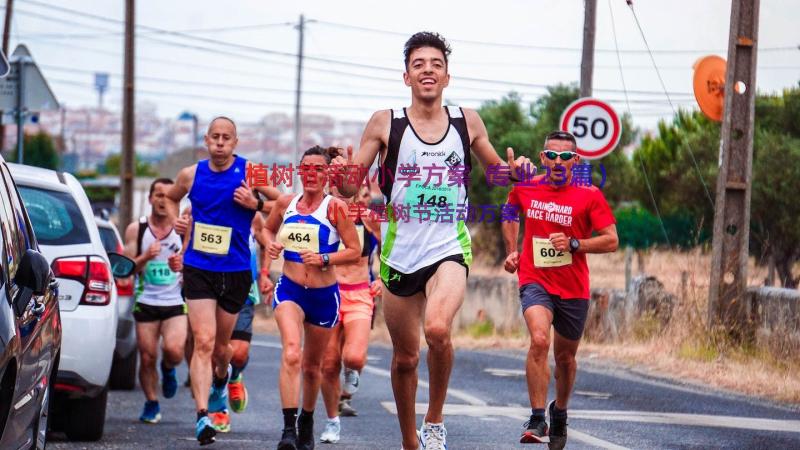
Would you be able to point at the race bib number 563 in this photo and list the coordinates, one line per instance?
(545, 255)
(211, 238)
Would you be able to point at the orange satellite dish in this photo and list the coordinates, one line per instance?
(709, 86)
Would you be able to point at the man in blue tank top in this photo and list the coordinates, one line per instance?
(216, 274)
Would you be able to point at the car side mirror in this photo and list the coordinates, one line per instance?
(121, 266)
(33, 272)
(32, 277)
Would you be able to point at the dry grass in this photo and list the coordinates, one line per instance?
(686, 350)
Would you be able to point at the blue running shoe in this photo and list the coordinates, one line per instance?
(169, 381)
(218, 398)
(205, 431)
(151, 412)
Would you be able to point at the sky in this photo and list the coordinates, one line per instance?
(238, 57)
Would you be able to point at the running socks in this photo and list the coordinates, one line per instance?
(236, 371)
(202, 413)
(289, 418)
(538, 414)
(220, 383)
(558, 413)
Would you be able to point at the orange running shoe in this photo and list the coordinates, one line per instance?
(237, 394)
(221, 421)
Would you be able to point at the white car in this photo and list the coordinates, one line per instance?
(68, 237)
(123, 369)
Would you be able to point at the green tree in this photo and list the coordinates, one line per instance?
(683, 201)
(40, 151)
(143, 169)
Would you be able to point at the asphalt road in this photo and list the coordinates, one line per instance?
(612, 408)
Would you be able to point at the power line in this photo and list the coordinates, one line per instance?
(540, 47)
(663, 86)
(310, 58)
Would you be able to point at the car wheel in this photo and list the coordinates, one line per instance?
(86, 417)
(123, 373)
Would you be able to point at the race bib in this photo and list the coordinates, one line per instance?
(158, 273)
(360, 232)
(300, 236)
(545, 255)
(211, 238)
(430, 197)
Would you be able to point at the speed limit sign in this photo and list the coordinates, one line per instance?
(595, 125)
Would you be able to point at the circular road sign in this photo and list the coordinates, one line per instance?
(595, 125)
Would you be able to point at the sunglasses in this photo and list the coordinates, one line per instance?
(565, 156)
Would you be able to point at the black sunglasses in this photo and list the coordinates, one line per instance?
(565, 156)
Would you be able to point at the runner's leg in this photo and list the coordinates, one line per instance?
(538, 319)
(173, 331)
(331, 368)
(356, 341)
(222, 345)
(566, 367)
(147, 342)
(403, 317)
(314, 345)
(290, 317)
(202, 319)
(445, 294)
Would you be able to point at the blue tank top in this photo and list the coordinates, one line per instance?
(307, 231)
(220, 227)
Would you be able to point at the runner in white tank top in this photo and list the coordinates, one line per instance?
(424, 266)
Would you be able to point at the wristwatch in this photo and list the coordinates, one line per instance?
(574, 245)
(260, 204)
(326, 259)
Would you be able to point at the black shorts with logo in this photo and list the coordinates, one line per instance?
(229, 289)
(408, 284)
(143, 312)
(569, 314)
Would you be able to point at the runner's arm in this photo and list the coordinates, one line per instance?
(130, 250)
(374, 139)
(181, 187)
(510, 234)
(606, 241)
(270, 229)
(339, 217)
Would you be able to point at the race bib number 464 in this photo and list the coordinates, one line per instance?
(211, 238)
(300, 236)
(545, 255)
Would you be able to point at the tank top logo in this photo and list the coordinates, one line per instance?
(453, 160)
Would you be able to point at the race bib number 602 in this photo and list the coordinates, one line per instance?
(211, 238)
(545, 255)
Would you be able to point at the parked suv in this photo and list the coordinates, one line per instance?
(68, 237)
(30, 326)
(123, 367)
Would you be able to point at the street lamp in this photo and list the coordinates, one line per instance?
(186, 115)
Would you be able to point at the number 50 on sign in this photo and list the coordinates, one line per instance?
(595, 125)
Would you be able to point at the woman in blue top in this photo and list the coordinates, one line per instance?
(306, 300)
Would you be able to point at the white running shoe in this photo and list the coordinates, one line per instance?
(330, 435)
(433, 436)
(351, 379)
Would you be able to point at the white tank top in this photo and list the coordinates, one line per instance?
(157, 285)
(408, 244)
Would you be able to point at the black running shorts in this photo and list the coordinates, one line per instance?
(229, 289)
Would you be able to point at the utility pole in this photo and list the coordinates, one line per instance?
(587, 56)
(728, 285)
(6, 37)
(128, 123)
(297, 125)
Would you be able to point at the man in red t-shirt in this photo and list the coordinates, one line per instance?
(560, 216)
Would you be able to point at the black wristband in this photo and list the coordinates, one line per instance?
(260, 205)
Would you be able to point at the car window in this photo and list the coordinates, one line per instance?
(56, 217)
(109, 239)
(12, 246)
(19, 212)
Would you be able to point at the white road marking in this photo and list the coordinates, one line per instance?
(593, 394)
(502, 411)
(505, 372)
(461, 395)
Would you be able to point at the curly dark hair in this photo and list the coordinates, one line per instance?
(317, 150)
(426, 39)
